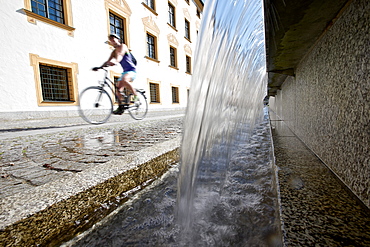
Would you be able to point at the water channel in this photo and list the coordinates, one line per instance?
(241, 212)
(223, 192)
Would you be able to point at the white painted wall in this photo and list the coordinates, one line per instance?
(19, 39)
(162, 72)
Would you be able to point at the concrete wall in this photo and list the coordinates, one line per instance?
(327, 102)
(85, 47)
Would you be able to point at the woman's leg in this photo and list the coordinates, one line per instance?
(125, 83)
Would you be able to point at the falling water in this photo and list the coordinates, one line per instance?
(226, 193)
(225, 104)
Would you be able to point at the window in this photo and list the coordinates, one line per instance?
(52, 9)
(154, 93)
(54, 12)
(187, 29)
(151, 46)
(173, 57)
(171, 15)
(175, 95)
(150, 4)
(55, 81)
(117, 18)
(117, 26)
(188, 64)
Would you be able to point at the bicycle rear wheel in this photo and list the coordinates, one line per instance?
(139, 108)
(95, 105)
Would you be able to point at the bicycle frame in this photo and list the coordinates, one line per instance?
(112, 86)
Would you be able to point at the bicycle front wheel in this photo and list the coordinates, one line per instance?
(139, 108)
(95, 105)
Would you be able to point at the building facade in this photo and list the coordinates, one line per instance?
(49, 48)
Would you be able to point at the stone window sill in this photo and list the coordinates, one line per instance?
(152, 59)
(33, 16)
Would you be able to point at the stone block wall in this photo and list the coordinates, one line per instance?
(327, 104)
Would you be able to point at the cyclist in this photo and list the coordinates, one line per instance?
(122, 55)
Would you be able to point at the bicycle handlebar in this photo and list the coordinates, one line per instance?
(97, 68)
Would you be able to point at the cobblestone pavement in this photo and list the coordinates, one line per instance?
(35, 152)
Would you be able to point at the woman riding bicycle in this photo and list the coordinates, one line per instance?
(122, 55)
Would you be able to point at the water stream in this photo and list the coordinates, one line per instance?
(227, 91)
(241, 212)
(223, 192)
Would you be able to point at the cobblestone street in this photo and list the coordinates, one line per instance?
(33, 160)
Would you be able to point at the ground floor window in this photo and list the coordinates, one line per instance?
(154, 93)
(55, 81)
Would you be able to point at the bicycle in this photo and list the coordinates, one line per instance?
(96, 104)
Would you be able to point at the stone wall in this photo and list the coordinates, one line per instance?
(326, 104)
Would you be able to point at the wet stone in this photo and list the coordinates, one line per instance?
(39, 159)
(14, 188)
(317, 210)
(235, 206)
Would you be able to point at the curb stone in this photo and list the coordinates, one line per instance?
(55, 212)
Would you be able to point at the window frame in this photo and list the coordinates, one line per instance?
(187, 29)
(171, 16)
(49, 10)
(198, 13)
(157, 94)
(188, 68)
(72, 69)
(68, 22)
(173, 57)
(177, 95)
(124, 25)
(124, 12)
(54, 89)
(152, 9)
(154, 49)
(152, 3)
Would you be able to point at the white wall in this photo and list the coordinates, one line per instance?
(161, 71)
(19, 39)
